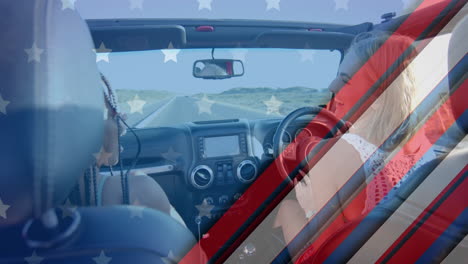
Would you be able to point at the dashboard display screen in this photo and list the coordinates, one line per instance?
(221, 146)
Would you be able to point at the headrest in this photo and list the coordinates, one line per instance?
(458, 50)
(51, 105)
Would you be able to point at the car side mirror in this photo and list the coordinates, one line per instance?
(218, 69)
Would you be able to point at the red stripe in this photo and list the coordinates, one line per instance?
(263, 187)
(337, 225)
(434, 226)
(336, 232)
(431, 10)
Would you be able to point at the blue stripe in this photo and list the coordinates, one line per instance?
(377, 217)
(453, 235)
(380, 214)
(426, 216)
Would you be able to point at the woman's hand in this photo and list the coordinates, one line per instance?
(304, 195)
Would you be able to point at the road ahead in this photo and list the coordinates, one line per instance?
(180, 109)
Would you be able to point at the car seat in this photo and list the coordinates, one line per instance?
(342, 245)
(51, 123)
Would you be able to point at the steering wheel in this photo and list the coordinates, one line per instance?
(301, 146)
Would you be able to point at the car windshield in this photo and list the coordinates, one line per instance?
(336, 11)
(157, 88)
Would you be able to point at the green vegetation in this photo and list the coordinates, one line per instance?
(251, 102)
(254, 98)
(153, 99)
(147, 95)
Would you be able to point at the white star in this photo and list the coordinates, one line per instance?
(307, 54)
(204, 209)
(34, 53)
(33, 259)
(167, 261)
(171, 258)
(68, 209)
(3, 209)
(273, 4)
(102, 259)
(136, 4)
(136, 210)
(273, 105)
(239, 54)
(407, 4)
(204, 4)
(171, 155)
(68, 4)
(341, 4)
(102, 54)
(204, 105)
(136, 105)
(3, 104)
(170, 54)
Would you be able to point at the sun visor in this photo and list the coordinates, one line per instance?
(137, 38)
(304, 39)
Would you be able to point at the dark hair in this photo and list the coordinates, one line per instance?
(109, 94)
(111, 100)
(90, 175)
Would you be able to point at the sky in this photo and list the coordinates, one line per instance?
(276, 68)
(156, 70)
(332, 11)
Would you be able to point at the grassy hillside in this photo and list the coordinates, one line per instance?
(153, 99)
(147, 95)
(255, 98)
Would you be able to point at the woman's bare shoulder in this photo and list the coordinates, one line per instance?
(144, 191)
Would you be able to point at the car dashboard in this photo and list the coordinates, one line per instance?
(204, 167)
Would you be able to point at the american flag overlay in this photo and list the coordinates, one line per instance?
(248, 131)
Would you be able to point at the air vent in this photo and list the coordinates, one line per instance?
(216, 121)
(202, 177)
(246, 171)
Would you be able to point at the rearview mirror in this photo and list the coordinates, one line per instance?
(218, 69)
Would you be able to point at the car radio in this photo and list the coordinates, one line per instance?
(222, 160)
(222, 146)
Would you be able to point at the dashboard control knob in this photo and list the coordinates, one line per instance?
(223, 200)
(201, 177)
(237, 196)
(209, 200)
(246, 171)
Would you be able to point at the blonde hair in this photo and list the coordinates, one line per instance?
(395, 104)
